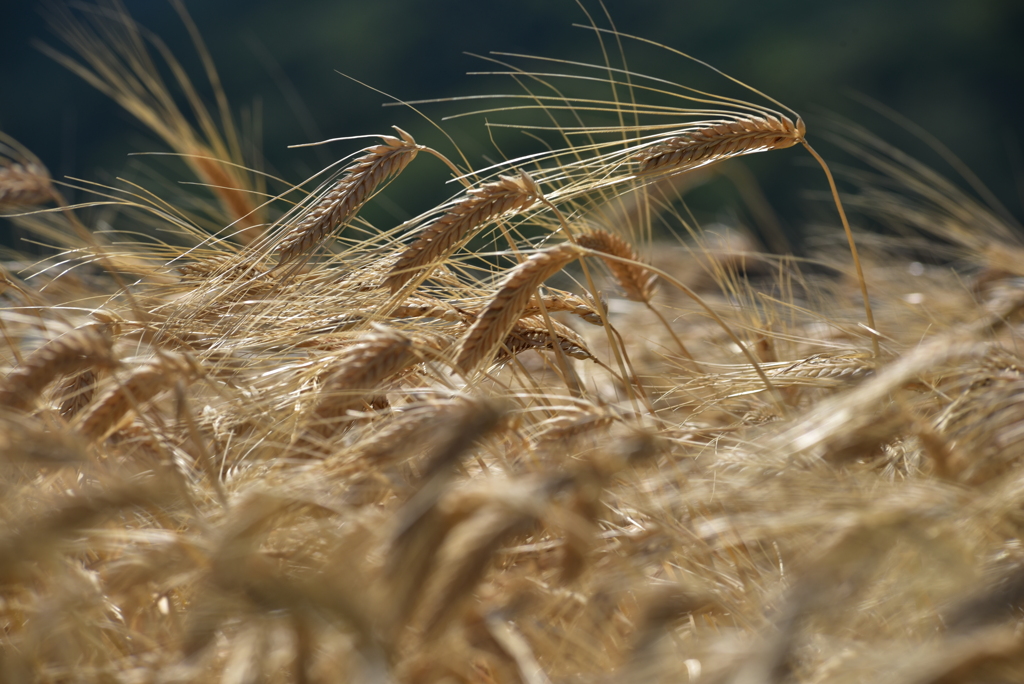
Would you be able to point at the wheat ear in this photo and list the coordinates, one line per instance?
(506, 306)
(224, 266)
(440, 238)
(361, 369)
(24, 185)
(564, 301)
(76, 392)
(636, 281)
(142, 385)
(708, 143)
(746, 134)
(428, 307)
(24, 180)
(532, 332)
(87, 347)
(360, 179)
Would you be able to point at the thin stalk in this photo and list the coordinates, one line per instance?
(853, 249)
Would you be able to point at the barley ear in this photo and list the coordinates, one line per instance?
(637, 281)
(360, 370)
(24, 180)
(142, 385)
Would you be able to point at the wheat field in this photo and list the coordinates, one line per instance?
(549, 431)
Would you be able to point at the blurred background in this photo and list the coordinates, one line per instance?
(953, 67)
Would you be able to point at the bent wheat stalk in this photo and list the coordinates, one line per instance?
(440, 238)
(706, 144)
(360, 180)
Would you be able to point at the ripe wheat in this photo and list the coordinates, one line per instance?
(709, 143)
(81, 349)
(440, 238)
(142, 385)
(339, 205)
(24, 185)
(507, 304)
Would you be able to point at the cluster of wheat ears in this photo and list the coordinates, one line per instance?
(247, 436)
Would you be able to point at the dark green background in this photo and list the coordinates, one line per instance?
(956, 67)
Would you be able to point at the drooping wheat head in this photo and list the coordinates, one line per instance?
(358, 182)
(468, 215)
(506, 306)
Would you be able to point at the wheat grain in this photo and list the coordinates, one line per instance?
(440, 238)
(709, 143)
(82, 348)
(496, 320)
(360, 179)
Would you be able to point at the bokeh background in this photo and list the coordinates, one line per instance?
(954, 67)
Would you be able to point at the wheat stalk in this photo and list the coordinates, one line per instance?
(440, 238)
(360, 180)
(499, 316)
